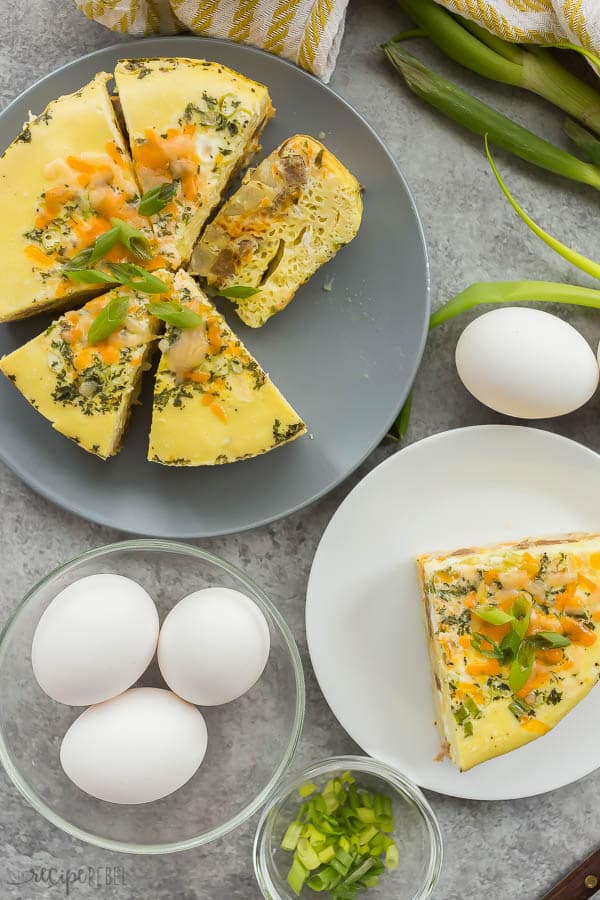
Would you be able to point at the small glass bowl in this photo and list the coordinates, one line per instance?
(251, 741)
(417, 833)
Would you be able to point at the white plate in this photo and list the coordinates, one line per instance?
(363, 616)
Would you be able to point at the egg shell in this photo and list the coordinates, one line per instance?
(95, 639)
(526, 363)
(136, 748)
(213, 646)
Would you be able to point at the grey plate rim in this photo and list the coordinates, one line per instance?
(45, 491)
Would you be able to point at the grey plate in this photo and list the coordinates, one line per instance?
(345, 358)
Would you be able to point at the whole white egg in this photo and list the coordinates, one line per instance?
(526, 363)
(95, 639)
(135, 748)
(213, 646)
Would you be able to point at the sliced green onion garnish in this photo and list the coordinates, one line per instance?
(105, 242)
(132, 239)
(297, 876)
(90, 276)
(307, 789)
(339, 839)
(157, 198)
(238, 292)
(108, 320)
(137, 278)
(493, 614)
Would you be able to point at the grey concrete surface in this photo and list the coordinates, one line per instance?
(494, 850)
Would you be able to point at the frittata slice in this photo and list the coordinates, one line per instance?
(191, 123)
(86, 390)
(213, 403)
(61, 181)
(513, 638)
(290, 216)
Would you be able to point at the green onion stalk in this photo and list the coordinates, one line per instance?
(484, 120)
(533, 69)
(489, 293)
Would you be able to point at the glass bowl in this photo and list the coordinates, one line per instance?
(251, 740)
(417, 832)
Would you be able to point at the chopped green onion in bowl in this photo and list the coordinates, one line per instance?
(348, 827)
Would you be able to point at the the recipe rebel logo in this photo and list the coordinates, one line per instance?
(67, 880)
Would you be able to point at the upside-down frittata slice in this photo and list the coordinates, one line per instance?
(513, 640)
(290, 216)
(213, 403)
(61, 181)
(85, 389)
(193, 124)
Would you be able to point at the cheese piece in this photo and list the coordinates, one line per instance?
(557, 581)
(194, 123)
(86, 390)
(61, 180)
(290, 216)
(212, 401)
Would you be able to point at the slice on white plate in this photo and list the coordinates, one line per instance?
(467, 487)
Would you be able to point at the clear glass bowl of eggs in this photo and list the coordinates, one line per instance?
(151, 697)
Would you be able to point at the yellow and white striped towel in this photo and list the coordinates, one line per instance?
(308, 32)
(536, 21)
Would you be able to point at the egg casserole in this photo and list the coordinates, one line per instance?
(192, 124)
(290, 216)
(87, 390)
(513, 640)
(213, 403)
(61, 180)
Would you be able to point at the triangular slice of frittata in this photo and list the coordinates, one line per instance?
(61, 181)
(213, 403)
(87, 389)
(290, 216)
(513, 637)
(191, 123)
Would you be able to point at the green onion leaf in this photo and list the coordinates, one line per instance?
(392, 857)
(491, 650)
(132, 239)
(520, 707)
(521, 611)
(108, 320)
(482, 119)
(180, 317)
(90, 276)
(137, 278)
(80, 261)
(520, 670)
(238, 292)
(472, 708)
(105, 242)
(577, 259)
(586, 142)
(493, 614)
(509, 645)
(157, 198)
(297, 876)
(468, 728)
(308, 788)
(292, 836)
(548, 640)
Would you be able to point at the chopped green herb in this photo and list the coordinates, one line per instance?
(493, 614)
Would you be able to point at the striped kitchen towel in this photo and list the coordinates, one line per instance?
(536, 21)
(308, 32)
